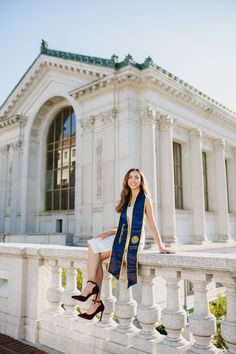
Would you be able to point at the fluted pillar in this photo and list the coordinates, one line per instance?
(202, 323)
(147, 314)
(148, 157)
(173, 317)
(221, 191)
(168, 225)
(199, 222)
(4, 150)
(228, 325)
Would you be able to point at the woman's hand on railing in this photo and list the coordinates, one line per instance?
(165, 250)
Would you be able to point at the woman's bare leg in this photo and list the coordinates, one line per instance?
(99, 278)
(93, 264)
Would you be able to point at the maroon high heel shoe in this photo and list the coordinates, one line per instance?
(91, 315)
(83, 298)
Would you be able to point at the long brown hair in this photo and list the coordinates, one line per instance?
(126, 191)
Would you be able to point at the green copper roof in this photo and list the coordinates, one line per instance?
(115, 64)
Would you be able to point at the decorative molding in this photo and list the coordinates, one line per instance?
(108, 118)
(148, 117)
(4, 150)
(166, 123)
(219, 145)
(12, 120)
(87, 124)
(195, 135)
(11, 147)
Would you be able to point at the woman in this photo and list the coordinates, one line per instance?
(135, 202)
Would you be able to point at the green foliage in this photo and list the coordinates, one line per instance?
(218, 308)
(79, 278)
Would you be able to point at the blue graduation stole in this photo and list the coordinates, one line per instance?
(119, 243)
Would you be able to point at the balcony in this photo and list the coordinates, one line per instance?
(31, 295)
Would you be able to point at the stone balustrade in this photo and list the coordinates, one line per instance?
(31, 298)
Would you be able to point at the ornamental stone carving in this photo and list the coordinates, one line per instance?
(219, 145)
(149, 116)
(87, 124)
(108, 118)
(10, 148)
(4, 150)
(16, 146)
(166, 123)
(195, 135)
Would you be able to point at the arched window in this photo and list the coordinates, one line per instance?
(60, 162)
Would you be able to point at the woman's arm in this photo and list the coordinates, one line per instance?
(107, 233)
(153, 227)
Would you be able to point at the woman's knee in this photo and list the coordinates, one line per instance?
(104, 255)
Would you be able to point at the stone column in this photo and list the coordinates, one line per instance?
(168, 225)
(147, 314)
(199, 222)
(231, 180)
(125, 310)
(87, 179)
(221, 192)
(148, 157)
(108, 179)
(201, 323)
(173, 317)
(228, 325)
(3, 184)
(16, 149)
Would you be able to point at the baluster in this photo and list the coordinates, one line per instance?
(125, 310)
(71, 288)
(228, 325)
(147, 313)
(201, 323)
(48, 326)
(101, 330)
(173, 317)
(54, 293)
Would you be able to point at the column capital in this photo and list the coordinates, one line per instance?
(166, 123)
(219, 145)
(4, 150)
(148, 116)
(195, 135)
(108, 118)
(87, 124)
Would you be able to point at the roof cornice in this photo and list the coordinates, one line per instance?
(161, 78)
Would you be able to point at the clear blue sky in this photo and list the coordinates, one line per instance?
(193, 39)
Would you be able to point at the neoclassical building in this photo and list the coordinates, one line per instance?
(75, 124)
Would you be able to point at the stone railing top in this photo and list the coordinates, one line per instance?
(153, 259)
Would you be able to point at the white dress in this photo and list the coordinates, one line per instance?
(102, 245)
